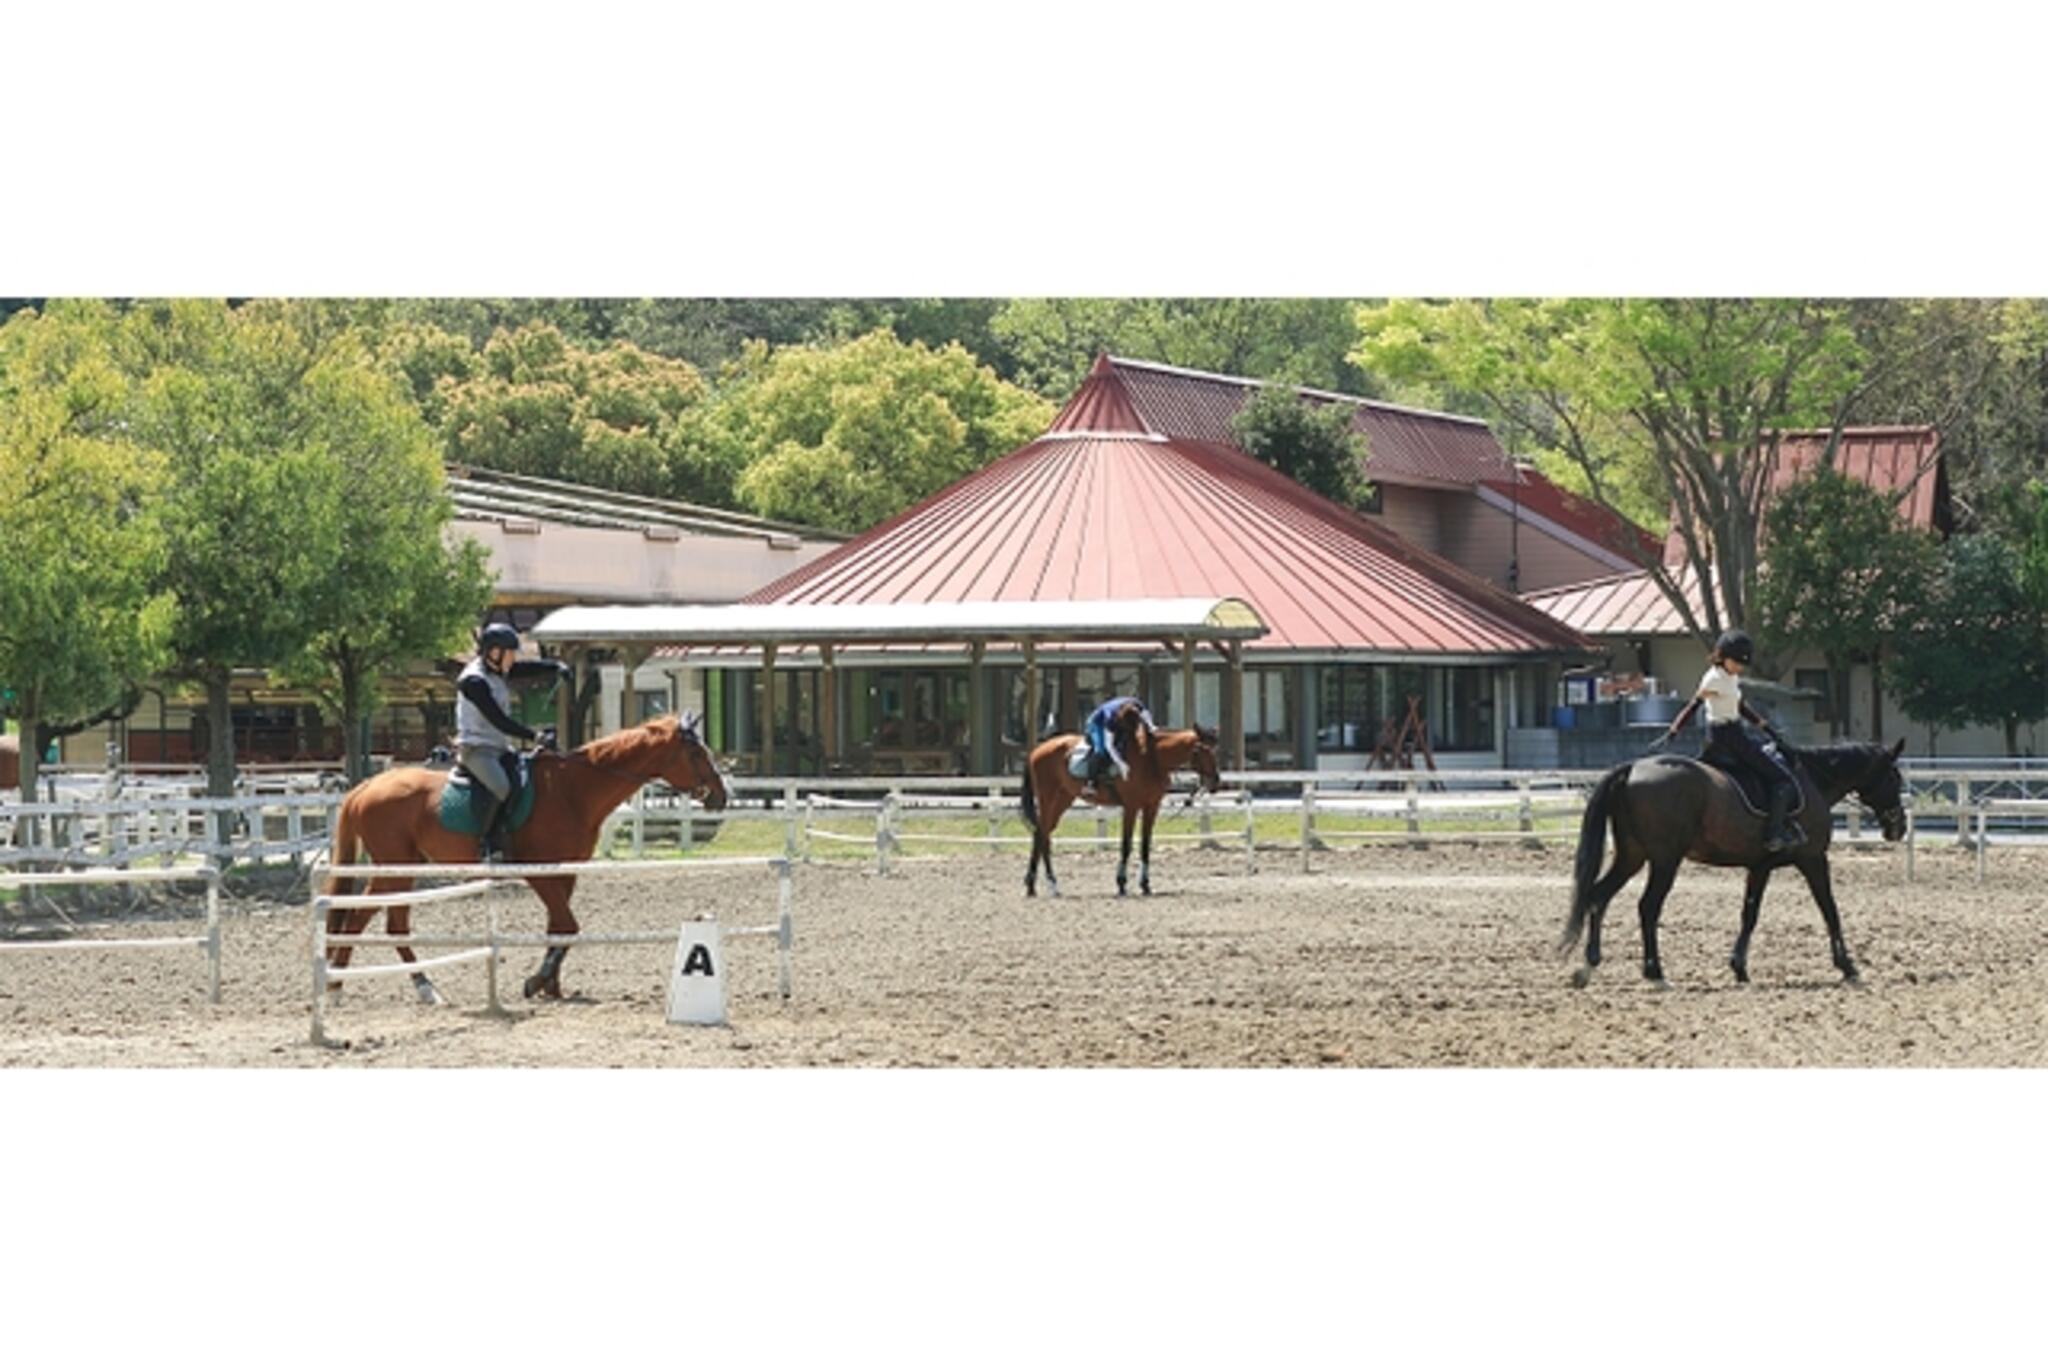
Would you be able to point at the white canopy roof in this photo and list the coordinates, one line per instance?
(817, 623)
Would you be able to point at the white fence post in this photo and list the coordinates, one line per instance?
(1308, 821)
(1250, 832)
(1963, 812)
(1414, 811)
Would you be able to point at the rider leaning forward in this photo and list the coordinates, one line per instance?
(1113, 728)
(485, 726)
(1720, 692)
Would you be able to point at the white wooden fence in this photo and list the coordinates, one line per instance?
(481, 877)
(209, 941)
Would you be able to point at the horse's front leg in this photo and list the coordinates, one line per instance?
(1822, 884)
(1123, 862)
(1145, 851)
(554, 893)
(1752, 902)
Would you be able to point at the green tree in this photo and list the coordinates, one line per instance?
(1695, 392)
(845, 436)
(399, 587)
(1973, 653)
(533, 403)
(222, 394)
(1048, 344)
(1842, 573)
(83, 614)
(1311, 443)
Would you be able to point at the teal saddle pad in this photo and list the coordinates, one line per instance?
(459, 807)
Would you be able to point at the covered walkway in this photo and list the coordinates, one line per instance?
(815, 635)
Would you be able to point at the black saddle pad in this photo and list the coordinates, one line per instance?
(1755, 794)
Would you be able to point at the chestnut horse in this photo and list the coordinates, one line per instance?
(395, 817)
(1049, 789)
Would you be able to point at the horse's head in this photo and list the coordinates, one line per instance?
(1204, 759)
(1882, 789)
(687, 763)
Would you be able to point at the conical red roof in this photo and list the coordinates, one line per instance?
(1100, 507)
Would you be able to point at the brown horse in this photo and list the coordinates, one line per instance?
(1049, 789)
(1669, 809)
(396, 818)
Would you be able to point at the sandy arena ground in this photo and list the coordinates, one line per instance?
(1380, 957)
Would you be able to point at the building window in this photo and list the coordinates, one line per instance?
(1358, 703)
(1817, 680)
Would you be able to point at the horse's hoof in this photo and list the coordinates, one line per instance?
(1582, 976)
(1145, 887)
(1659, 984)
(428, 995)
(1741, 973)
(534, 986)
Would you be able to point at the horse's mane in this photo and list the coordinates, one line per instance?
(619, 748)
(1840, 760)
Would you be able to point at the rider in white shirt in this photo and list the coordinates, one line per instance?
(1720, 692)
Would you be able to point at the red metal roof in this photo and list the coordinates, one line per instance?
(1096, 509)
(1900, 460)
(1582, 517)
(1403, 445)
(1621, 605)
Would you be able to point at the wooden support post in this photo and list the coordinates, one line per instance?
(1187, 684)
(629, 696)
(1308, 822)
(1030, 697)
(829, 701)
(1233, 707)
(767, 710)
(980, 753)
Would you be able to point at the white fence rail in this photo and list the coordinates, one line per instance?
(490, 946)
(209, 941)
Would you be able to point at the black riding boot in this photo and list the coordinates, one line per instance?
(487, 842)
(1784, 831)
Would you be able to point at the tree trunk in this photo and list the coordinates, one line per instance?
(220, 752)
(1838, 696)
(2012, 737)
(28, 832)
(354, 762)
(1877, 694)
(220, 735)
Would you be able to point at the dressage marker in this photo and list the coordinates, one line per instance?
(481, 877)
(210, 941)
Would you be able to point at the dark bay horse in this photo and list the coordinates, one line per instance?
(395, 817)
(1668, 809)
(1049, 789)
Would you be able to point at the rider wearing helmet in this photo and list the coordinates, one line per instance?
(485, 727)
(1720, 692)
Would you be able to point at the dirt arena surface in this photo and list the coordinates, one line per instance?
(1380, 957)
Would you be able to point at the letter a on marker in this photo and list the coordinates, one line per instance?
(699, 960)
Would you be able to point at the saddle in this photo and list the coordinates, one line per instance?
(459, 806)
(1755, 793)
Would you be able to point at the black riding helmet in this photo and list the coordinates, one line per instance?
(497, 634)
(1736, 645)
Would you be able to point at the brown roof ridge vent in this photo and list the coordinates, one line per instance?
(659, 532)
(521, 526)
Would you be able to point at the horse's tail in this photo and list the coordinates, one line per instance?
(345, 846)
(1592, 848)
(1030, 799)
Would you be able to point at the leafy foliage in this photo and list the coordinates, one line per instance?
(845, 436)
(1311, 443)
(1678, 398)
(532, 403)
(1048, 344)
(1974, 652)
(394, 591)
(1844, 571)
(83, 612)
